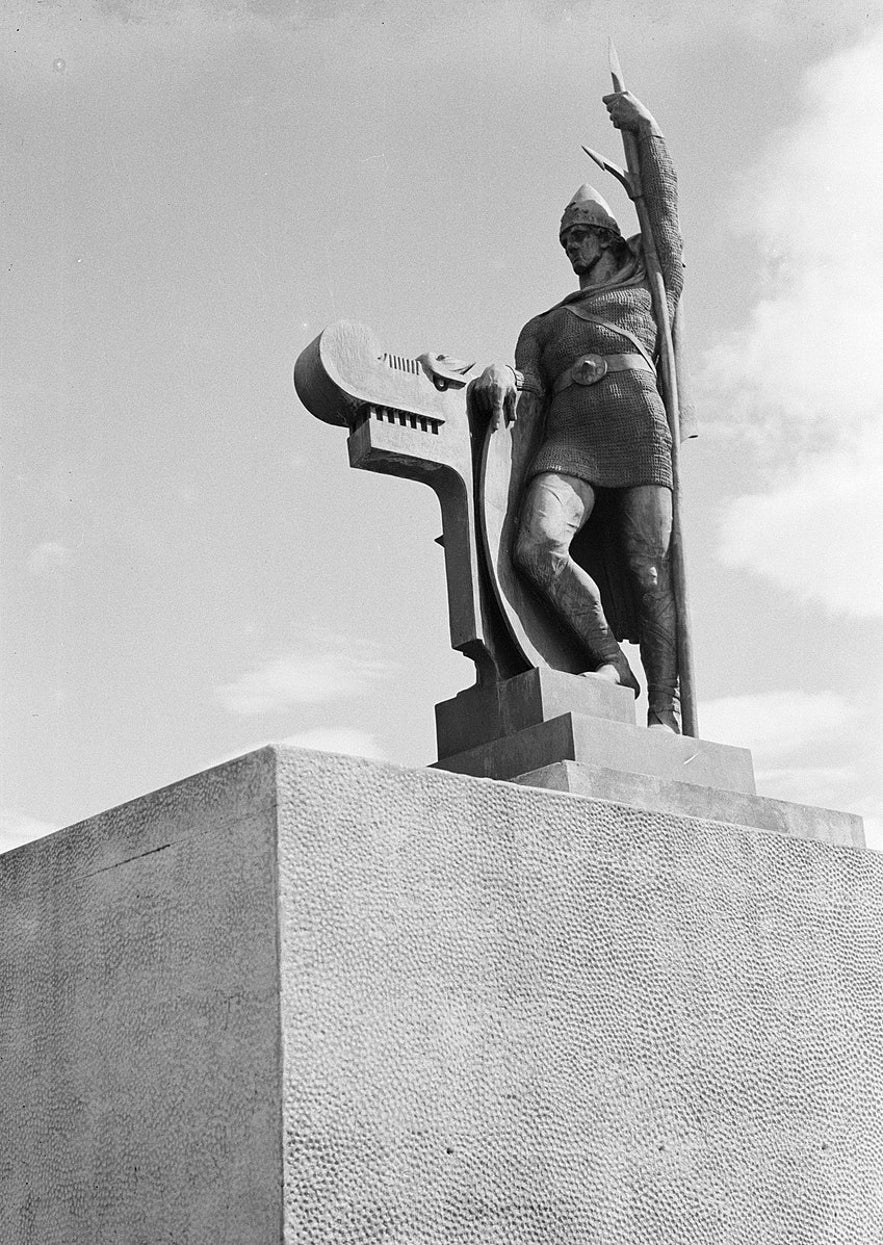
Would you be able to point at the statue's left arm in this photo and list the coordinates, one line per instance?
(659, 184)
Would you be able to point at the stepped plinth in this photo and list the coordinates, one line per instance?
(569, 733)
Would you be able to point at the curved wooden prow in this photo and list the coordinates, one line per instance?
(344, 369)
(407, 417)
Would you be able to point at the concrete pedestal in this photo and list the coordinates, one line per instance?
(308, 998)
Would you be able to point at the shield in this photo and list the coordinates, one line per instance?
(541, 639)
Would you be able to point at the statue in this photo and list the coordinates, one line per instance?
(586, 368)
(558, 477)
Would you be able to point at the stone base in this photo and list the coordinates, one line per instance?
(304, 998)
(614, 745)
(564, 732)
(824, 825)
(492, 711)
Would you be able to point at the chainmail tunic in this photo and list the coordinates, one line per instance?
(613, 434)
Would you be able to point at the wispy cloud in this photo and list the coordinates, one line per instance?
(17, 827)
(310, 677)
(809, 748)
(46, 558)
(819, 534)
(802, 376)
(343, 739)
(775, 724)
(828, 786)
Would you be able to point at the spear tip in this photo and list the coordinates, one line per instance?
(615, 67)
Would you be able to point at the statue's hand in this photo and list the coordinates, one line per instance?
(628, 113)
(495, 395)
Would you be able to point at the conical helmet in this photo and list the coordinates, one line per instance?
(587, 207)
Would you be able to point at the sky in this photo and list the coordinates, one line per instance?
(194, 190)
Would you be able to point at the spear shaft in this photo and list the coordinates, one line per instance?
(656, 281)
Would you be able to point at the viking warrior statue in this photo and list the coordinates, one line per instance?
(587, 367)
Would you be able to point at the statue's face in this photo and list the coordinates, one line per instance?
(583, 248)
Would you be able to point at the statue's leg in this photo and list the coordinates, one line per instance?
(555, 507)
(646, 536)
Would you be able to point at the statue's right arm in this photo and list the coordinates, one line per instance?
(529, 370)
(496, 392)
(528, 358)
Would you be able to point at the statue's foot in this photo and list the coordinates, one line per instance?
(663, 719)
(617, 671)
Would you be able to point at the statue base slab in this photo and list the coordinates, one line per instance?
(494, 710)
(806, 821)
(563, 732)
(612, 745)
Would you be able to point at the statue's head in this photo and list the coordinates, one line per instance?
(588, 227)
(587, 207)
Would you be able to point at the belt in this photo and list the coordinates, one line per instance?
(590, 368)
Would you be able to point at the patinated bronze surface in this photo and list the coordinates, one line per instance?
(555, 475)
(408, 417)
(596, 443)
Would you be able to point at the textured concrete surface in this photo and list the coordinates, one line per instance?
(665, 796)
(306, 998)
(139, 1064)
(613, 745)
(518, 1018)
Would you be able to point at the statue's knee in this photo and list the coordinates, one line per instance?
(650, 575)
(526, 555)
(537, 557)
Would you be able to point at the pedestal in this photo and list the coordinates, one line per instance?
(314, 999)
(564, 732)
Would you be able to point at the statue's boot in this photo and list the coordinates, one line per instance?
(615, 668)
(659, 653)
(664, 716)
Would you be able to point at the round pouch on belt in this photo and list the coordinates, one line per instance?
(588, 369)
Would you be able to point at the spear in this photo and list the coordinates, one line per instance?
(631, 180)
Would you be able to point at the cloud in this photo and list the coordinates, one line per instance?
(17, 827)
(47, 558)
(303, 678)
(808, 748)
(802, 376)
(343, 739)
(828, 786)
(817, 533)
(777, 724)
(348, 740)
(825, 786)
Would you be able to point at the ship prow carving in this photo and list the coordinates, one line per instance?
(344, 370)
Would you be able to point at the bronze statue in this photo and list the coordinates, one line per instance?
(558, 477)
(587, 368)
